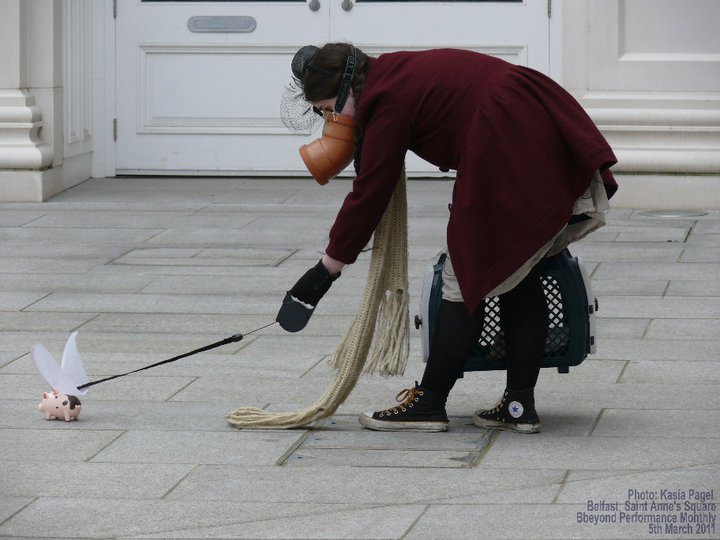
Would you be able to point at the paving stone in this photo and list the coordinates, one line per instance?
(378, 522)
(654, 349)
(707, 226)
(12, 505)
(48, 266)
(685, 424)
(264, 234)
(18, 218)
(121, 414)
(204, 257)
(694, 288)
(247, 285)
(671, 372)
(703, 240)
(380, 458)
(543, 493)
(675, 395)
(659, 308)
(101, 480)
(546, 452)
(15, 301)
(220, 284)
(701, 255)
(604, 287)
(684, 329)
(657, 271)
(370, 485)
(93, 282)
(53, 445)
(341, 441)
(134, 388)
(7, 357)
(39, 321)
(58, 250)
(620, 328)
(213, 448)
(655, 234)
(105, 518)
(89, 236)
(104, 220)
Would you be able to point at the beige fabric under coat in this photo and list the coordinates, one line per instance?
(594, 203)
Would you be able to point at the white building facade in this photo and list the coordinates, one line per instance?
(102, 88)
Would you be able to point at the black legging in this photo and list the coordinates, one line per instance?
(524, 315)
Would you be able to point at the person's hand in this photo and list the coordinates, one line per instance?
(300, 301)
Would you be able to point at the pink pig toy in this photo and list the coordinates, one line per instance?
(59, 406)
(64, 380)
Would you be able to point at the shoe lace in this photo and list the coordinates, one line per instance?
(406, 398)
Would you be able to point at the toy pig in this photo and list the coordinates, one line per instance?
(59, 406)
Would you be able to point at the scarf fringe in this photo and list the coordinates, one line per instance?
(391, 348)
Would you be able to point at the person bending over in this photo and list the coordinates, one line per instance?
(532, 176)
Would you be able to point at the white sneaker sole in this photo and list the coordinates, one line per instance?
(493, 424)
(369, 422)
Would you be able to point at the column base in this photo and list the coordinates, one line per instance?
(30, 186)
(38, 186)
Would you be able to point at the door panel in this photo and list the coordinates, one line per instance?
(207, 101)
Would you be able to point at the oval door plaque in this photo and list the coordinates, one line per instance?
(228, 24)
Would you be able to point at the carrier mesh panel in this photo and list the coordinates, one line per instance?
(492, 341)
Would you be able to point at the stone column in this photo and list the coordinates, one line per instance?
(30, 99)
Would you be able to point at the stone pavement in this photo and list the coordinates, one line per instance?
(145, 269)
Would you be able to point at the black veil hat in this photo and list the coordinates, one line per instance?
(296, 112)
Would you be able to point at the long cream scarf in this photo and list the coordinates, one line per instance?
(384, 308)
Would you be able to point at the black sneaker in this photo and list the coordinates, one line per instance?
(419, 410)
(514, 412)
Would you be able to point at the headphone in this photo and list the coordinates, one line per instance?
(301, 63)
(346, 80)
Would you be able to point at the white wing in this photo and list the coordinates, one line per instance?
(72, 365)
(48, 367)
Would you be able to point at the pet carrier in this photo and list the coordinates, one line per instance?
(571, 320)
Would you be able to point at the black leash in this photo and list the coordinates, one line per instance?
(231, 339)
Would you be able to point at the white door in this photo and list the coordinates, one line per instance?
(199, 83)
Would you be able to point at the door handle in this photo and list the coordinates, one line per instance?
(314, 5)
(347, 5)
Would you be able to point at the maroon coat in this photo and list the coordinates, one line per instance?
(523, 148)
